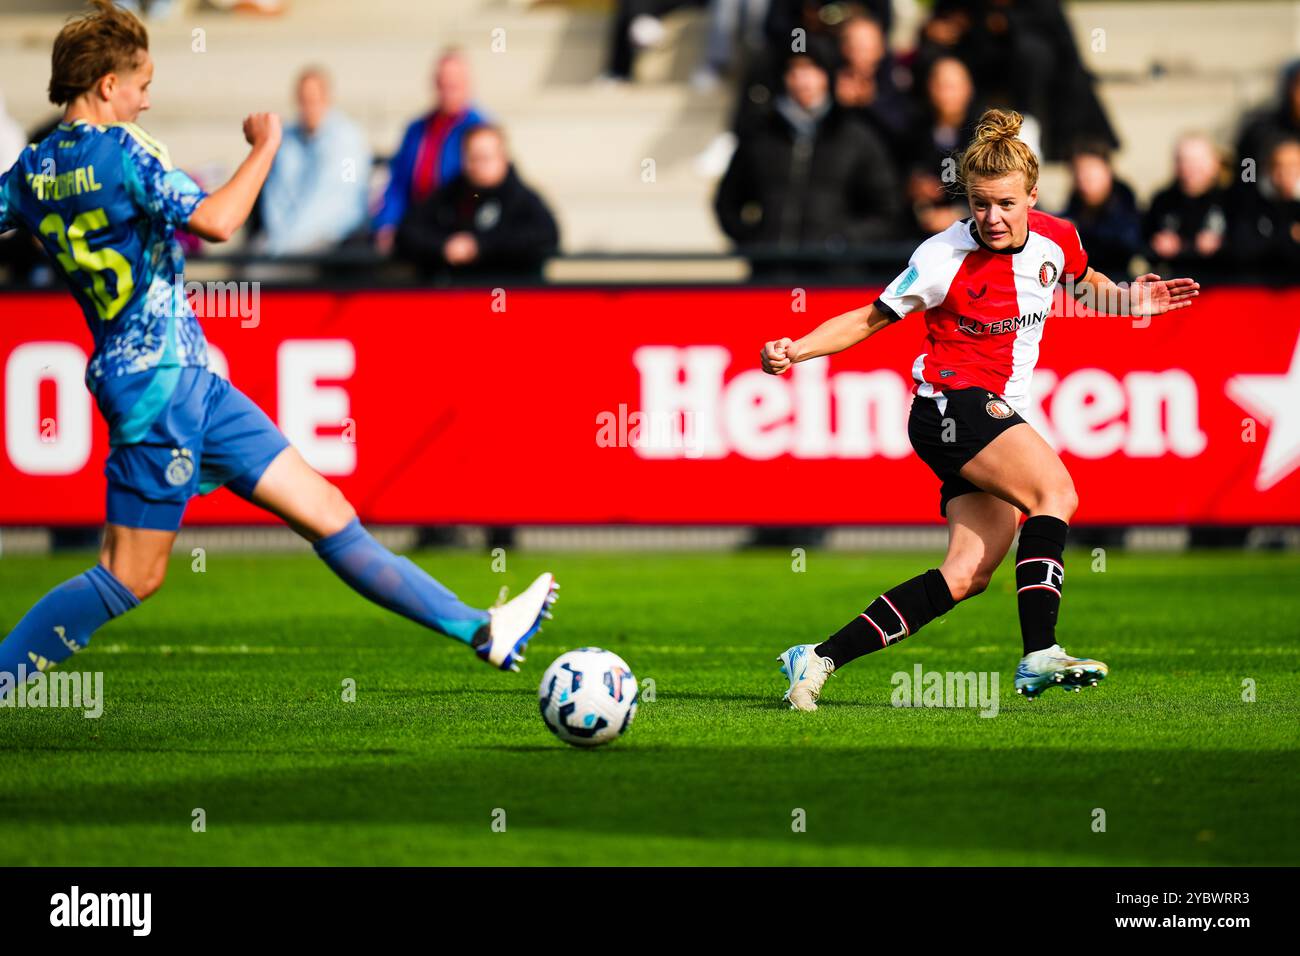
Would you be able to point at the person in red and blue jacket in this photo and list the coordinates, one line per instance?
(430, 154)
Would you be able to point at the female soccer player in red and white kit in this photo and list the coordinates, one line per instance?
(986, 287)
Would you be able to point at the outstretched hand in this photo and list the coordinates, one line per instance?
(1152, 295)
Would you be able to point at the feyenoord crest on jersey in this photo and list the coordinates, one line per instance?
(999, 409)
(984, 308)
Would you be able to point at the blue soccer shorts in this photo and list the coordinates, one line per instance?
(176, 433)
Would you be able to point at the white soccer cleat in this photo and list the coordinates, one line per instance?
(512, 625)
(807, 673)
(1053, 667)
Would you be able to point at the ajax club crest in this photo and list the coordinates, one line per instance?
(181, 468)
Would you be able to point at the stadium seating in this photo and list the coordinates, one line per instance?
(584, 144)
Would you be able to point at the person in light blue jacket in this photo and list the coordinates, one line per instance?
(316, 194)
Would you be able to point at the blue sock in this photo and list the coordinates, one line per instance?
(60, 624)
(374, 572)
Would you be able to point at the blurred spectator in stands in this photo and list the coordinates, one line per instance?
(764, 78)
(808, 178)
(1020, 53)
(865, 84)
(16, 246)
(1266, 230)
(1282, 119)
(256, 7)
(817, 22)
(12, 138)
(1188, 219)
(152, 9)
(637, 26)
(22, 259)
(484, 222)
(820, 21)
(316, 193)
(733, 24)
(939, 132)
(1104, 211)
(430, 154)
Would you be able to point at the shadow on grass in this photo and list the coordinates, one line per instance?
(204, 751)
(1162, 807)
(424, 693)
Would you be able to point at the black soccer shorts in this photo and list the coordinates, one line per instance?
(945, 440)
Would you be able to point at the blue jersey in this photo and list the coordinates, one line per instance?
(105, 203)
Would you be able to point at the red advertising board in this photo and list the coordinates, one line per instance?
(646, 405)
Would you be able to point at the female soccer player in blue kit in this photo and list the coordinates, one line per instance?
(103, 199)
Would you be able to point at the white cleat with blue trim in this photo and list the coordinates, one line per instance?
(807, 673)
(512, 625)
(1053, 667)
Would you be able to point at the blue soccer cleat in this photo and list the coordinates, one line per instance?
(512, 625)
(1053, 667)
(807, 673)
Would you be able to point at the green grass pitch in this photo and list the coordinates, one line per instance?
(224, 692)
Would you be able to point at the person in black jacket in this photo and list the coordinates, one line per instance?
(1049, 80)
(866, 83)
(1187, 221)
(1266, 227)
(485, 222)
(1277, 121)
(940, 130)
(808, 178)
(1104, 210)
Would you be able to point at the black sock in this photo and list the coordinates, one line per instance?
(896, 614)
(1040, 575)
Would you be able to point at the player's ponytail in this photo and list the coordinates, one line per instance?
(105, 40)
(997, 150)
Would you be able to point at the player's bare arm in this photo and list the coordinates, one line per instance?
(834, 335)
(1147, 295)
(226, 209)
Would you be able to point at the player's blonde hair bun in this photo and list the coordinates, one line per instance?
(997, 150)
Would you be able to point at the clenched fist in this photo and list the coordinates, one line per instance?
(262, 129)
(776, 356)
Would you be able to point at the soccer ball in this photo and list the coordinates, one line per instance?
(588, 697)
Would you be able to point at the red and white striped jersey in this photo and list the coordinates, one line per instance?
(984, 309)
